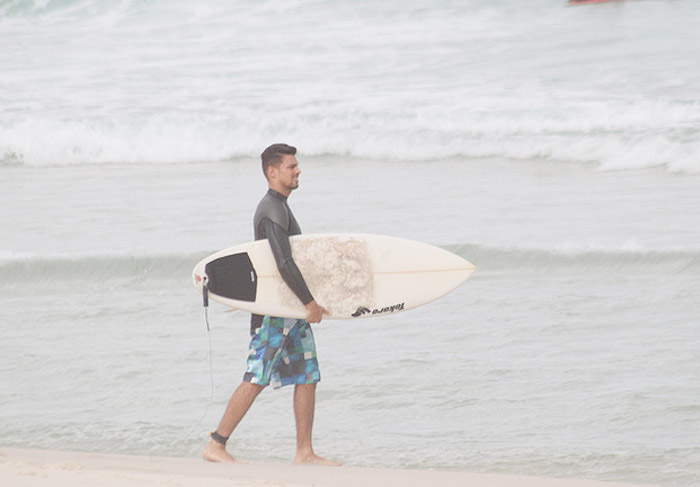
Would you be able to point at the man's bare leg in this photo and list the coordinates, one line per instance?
(304, 406)
(238, 406)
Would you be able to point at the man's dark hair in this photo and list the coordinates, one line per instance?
(272, 156)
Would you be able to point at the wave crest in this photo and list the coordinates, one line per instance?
(29, 269)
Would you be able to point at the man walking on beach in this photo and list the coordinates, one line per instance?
(282, 350)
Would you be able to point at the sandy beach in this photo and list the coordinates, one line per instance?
(39, 468)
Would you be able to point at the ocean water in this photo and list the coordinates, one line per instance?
(554, 146)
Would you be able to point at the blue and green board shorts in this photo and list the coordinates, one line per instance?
(282, 352)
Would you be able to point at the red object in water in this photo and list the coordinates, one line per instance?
(580, 2)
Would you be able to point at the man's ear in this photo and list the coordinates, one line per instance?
(271, 172)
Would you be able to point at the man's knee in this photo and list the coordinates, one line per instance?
(251, 389)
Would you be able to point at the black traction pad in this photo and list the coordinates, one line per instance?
(233, 277)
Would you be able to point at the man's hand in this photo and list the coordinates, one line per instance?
(315, 312)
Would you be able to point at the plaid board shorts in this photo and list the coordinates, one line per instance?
(282, 352)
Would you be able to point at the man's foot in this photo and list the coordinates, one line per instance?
(313, 459)
(216, 452)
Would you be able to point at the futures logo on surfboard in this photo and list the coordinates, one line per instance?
(389, 309)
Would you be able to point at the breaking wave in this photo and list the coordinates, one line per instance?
(19, 269)
(178, 82)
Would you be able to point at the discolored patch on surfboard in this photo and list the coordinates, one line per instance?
(337, 270)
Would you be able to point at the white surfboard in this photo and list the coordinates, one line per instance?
(351, 275)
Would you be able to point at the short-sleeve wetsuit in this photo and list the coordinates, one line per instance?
(275, 222)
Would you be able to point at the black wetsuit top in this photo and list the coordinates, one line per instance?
(275, 222)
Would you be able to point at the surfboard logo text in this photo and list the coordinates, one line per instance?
(361, 311)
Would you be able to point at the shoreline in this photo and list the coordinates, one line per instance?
(57, 468)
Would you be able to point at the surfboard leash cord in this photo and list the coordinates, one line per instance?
(205, 302)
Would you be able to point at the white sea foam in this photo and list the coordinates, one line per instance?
(415, 134)
(175, 82)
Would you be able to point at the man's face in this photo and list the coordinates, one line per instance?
(287, 173)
